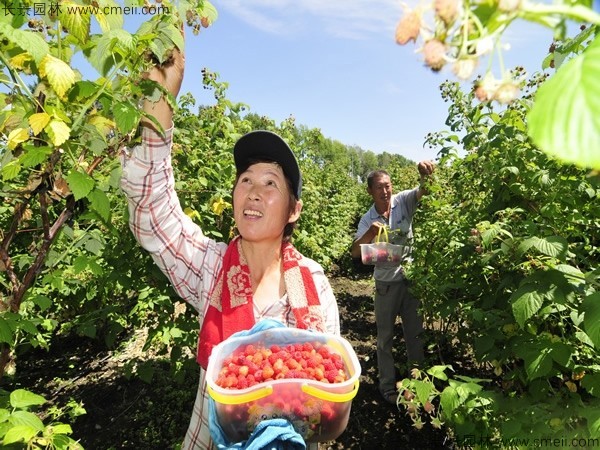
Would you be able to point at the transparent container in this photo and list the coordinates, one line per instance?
(318, 411)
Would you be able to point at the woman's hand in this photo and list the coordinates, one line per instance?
(170, 76)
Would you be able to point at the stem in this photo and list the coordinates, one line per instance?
(93, 99)
(577, 12)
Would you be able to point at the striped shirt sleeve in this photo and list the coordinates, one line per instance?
(185, 255)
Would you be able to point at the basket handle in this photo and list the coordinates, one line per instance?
(385, 234)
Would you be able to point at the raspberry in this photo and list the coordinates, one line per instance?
(446, 10)
(463, 68)
(506, 92)
(408, 28)
(434, 52)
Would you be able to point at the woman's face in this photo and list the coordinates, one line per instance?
(261, 203)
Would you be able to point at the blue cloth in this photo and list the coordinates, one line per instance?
(272, 434)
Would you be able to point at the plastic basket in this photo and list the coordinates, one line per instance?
(381, 253)
(318, 411)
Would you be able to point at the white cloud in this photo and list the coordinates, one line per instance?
(350, 19)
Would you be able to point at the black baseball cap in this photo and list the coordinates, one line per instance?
(263, 145)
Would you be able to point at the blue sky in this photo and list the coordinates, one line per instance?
(334, 65)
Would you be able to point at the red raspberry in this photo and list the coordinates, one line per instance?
(408, 28)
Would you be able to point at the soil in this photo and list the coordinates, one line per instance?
(124, 412)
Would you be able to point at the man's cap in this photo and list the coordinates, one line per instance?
(262, 145)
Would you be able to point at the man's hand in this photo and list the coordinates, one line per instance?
(425, 168)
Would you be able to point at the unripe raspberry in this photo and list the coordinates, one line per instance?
(446, 10)
(485, 89)
(506, 92)
(434, 52)
(464, 68)
(408, 28)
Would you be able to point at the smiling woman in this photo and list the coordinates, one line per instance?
(258, 275)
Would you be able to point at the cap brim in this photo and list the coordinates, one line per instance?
(268, 146)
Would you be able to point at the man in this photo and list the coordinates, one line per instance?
(392, 296)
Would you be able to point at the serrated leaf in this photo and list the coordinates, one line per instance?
(16, 137)
(111, 21)
(81, 184)
(554, 246)
(11, 170)
(126, 116)
(100, 203)
(19, 61)
(58, 131)
(29, 41)
(38, 122)
(21, 398)
(526, 301)
(591, 320)
(82, 90)
(58, 73)
(34, 155)
(102, 56)
(565, 118)
(76, 19)
(103, 124)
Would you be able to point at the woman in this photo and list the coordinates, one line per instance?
(259, 274)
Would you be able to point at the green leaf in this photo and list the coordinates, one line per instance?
(80, 184)
(526, 301)
(537, 363)
(593, 420)
(62, 428)
(22, 398)
(29, 41)
(11, 170)
(591, 320)
(126, 116)
(145, 371)
(449, 400)
(6, 332)
(591, 382)
(100, 203)
(554, 246)
(18, 434)
(76, 19)
(41, 301)
(28, 419)
(423, 389)
(34, 155)
(565, 118)
(111, 21)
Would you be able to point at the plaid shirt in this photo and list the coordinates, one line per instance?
(189, 259)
